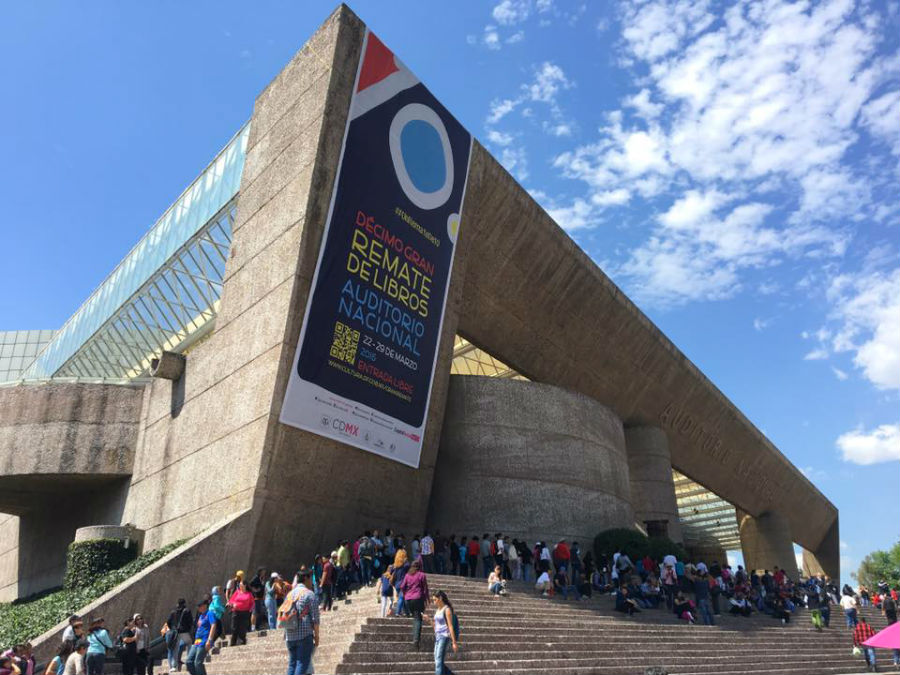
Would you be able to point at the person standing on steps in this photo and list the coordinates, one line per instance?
(415, 594)
(177, 633)
(98, 642)
(487, 555)
(204, 638)
(427, 548)
(301, 625)
(257, 586)
(241, 602)
(445, 624)
(472, 550)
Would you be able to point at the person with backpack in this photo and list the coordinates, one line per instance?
(366, 552)
(177, 633)
(385, 590)
(205, 634)
(98, 642)
(446, 632)
(299, 617)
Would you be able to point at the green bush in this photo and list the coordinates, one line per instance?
(25, 620)
(636, 544)
(87, 560)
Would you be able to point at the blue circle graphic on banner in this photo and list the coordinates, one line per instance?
(421, 154)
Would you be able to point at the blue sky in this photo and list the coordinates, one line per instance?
(733, 167)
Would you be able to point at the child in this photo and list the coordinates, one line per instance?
(684, 608)
(385, 590)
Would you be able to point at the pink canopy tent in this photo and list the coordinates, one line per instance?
(889, 638)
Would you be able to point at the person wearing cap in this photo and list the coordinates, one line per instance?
(204, 639)
(271, 600)
(301, 635)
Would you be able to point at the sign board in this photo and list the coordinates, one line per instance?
(364, 365)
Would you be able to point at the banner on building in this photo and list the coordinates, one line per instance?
(365, 360)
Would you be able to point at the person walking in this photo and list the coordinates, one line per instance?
(98, 642)
(415, 594)
(204, 637)
(848, 604)
(301, 624)
(177, 633)
(445, 633)
(862, 631)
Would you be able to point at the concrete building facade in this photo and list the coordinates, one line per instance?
(612, 406)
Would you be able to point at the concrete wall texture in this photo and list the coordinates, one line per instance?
(530, 460)
(177, 457)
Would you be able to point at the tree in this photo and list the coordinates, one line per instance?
(880, 566)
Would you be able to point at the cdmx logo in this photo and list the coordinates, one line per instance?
(340, 425)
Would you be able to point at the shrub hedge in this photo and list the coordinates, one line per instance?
(24, 620)
(86, 560)
(636, 544)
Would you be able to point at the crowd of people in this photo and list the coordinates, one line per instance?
(398, 569)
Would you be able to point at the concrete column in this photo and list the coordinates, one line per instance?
(530, 460)
(766, 542)
(826, 558)
(650, 469)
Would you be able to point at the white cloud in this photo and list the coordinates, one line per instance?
(760, 324)
(866, 312)
(511, 12)
(499, 138)
(518, 36)
(816, 355)
(578, 215)
(500, 108)
(491, 38)
(839, 374)
(760, 103)
(879, 445)
(548, 80)
(880, 116)
(515, 160)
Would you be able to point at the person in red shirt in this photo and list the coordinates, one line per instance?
(862, 632)
(561, 556)
(241, 602)
(474, 548)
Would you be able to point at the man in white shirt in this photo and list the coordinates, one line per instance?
(848, 604)
(543, 584)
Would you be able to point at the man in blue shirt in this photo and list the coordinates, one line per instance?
(204, 637)
(301, 632)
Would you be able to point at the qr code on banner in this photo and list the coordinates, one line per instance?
(346, 340)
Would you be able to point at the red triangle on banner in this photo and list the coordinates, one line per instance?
(378, 63)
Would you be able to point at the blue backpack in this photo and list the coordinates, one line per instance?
(386, 589)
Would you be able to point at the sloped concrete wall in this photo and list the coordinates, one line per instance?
(189, 572)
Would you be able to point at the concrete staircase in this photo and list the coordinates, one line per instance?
(523, 633)
(265, 651)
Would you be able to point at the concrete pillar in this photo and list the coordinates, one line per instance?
(826, 558)
(529, 460)
(650, 469)
(767, 543)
